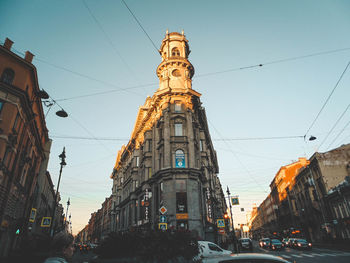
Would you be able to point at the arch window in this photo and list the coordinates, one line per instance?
(8, 75)
(178, 129)
(175, 52)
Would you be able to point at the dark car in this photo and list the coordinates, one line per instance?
(275, 244)
(264, 242)
(245, 244)
(301, 244)
(285, 242)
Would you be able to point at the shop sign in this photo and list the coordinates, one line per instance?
(182, 216)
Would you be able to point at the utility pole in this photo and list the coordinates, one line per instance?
(62, 156)
(233, 227)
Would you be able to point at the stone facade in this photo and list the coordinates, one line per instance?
(170, 160)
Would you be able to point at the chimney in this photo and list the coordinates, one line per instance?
(28, 57)
(8, 43)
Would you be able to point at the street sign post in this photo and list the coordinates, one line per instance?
(163, 226)
(220, 223)
(162, 219)
(234, 200)
(221, 231)
(46, 221)
(163, 210)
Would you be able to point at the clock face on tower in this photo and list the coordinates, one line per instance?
(176, 73)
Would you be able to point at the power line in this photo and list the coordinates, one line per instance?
(141, 26)
(329, 96)
(109, 40)
(273, 62)
(336, 123)
(346, 125)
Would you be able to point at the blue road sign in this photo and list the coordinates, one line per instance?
(162, 219)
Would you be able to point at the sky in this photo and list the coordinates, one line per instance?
(96, 47)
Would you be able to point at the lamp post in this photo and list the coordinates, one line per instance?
(62, 156)
(233, 227)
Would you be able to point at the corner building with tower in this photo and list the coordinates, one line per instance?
(166, 176)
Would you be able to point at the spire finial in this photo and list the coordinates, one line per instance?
(182, 32)
(167, 31)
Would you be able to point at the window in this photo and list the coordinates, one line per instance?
(137, 161)
(181, 202)
(177, 107)
(160, 161)
(201, 145)
(7, 76)
(175, 52)
(7, 151)
(178, 129)
(214, 247)
(16, 121)
(1, 105)
(149, 172)
(23, 176)
(150, 145)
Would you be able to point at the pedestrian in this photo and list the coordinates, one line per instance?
(62, 248)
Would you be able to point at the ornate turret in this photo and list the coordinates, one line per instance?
(175, 71)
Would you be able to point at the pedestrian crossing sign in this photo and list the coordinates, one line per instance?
(163, 226)
(46, 221)
(220, 222)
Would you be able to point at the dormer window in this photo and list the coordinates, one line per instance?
(175, 52)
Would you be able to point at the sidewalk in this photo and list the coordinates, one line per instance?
(342, 246)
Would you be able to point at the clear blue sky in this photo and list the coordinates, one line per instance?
(280, 99)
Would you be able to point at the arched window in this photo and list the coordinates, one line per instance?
(7, 76)
(175, 52)
(180, 159)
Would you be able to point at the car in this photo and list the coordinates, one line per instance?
(245, 257)
(245, 243)
(210, 249)
(302, 244)
(290, 242)
(264, 242)
(285, 242)
(275, 244)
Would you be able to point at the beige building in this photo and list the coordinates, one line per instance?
(169, 162)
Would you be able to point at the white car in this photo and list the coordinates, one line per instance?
(208, 249)
(245, 257)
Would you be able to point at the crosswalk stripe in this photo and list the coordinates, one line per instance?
(328, 254)
(320, 255)
(295, 255)
(308, 255)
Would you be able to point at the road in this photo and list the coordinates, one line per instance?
(79, 257)
(318, 255)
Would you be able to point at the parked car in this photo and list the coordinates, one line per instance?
(264, 242)
(209, 249)
(290, 242)
(245, 243)
(275, 244)
(301, 244)
(245, 257)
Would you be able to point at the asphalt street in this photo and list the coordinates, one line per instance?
(318, 255)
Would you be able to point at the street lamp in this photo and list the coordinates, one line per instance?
(62, 156)
(68, 204)
(233, 227)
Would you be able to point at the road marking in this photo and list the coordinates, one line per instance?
(308, 255)
(328, 254)
(295, 255)
(315, 254)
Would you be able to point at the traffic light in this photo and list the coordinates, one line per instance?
(226, 216)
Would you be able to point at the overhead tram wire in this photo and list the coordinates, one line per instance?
(329, 96)
(138, 22)
(346, 125)
(272, 62)
(335, 124)
(234, 154)
(109, 40)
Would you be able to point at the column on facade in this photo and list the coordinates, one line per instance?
(190, 156)
(167, 132)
